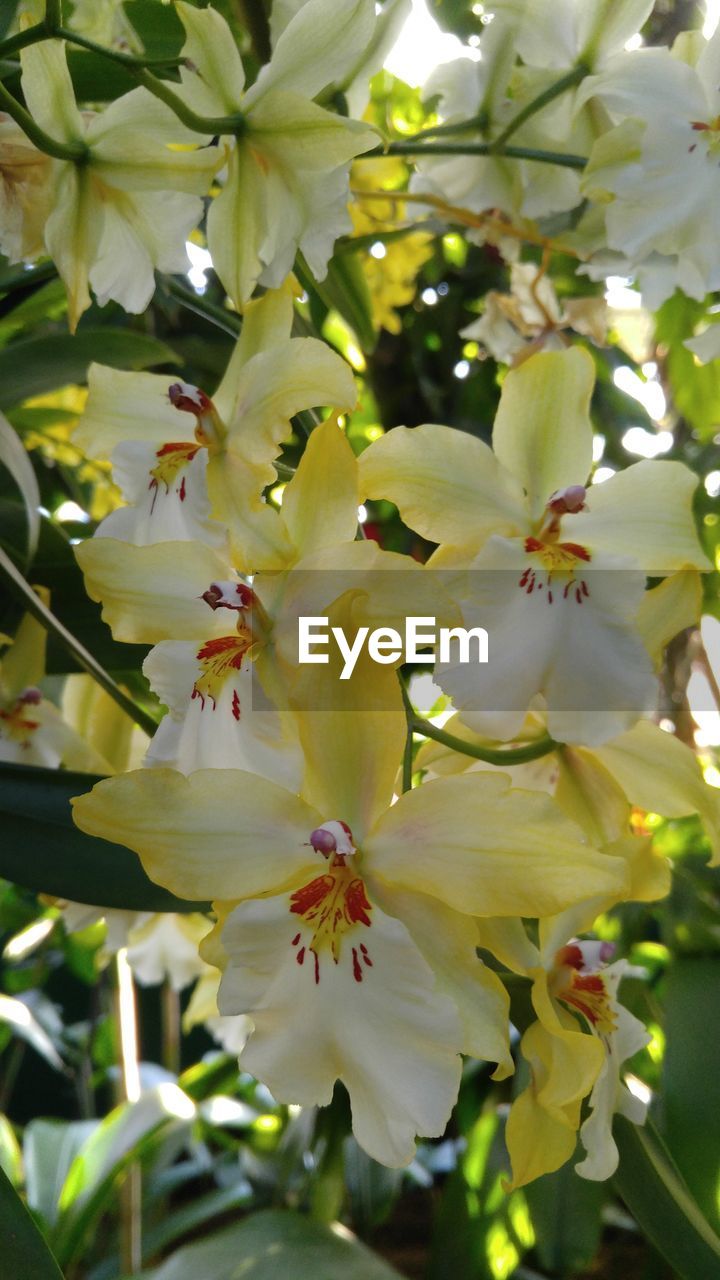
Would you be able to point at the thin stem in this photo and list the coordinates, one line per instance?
(565, 159)
(32, 603)
(407, 763)
(51, 146)
(130, 60)
(209, 125)
(500, 756)
(170, 1028)
(228, 321)
(22, 39)
(53, 14)
(131, 1190)
(553, 91)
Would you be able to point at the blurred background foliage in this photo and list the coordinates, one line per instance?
(203, 1174)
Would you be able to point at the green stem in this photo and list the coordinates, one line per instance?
(228, 321)
(564, 159)
(500, 756)
(22, 39)
(553, 91)
(130, 60)
(59, 150)
(53, 14)
(209, 125)
(407, 763)
(32, 603)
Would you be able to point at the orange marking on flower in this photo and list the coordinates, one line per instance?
(219, 658)
(588, 994)
(171, 460)
(332, 904)
(15, 724)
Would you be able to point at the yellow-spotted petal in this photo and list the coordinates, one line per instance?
(487, 850)
(542, 433)
(219, 833)
(447, 485)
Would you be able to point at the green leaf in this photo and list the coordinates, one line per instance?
(661, 1204)
(24, 1251)
(14, 457)
(10, 1153)
(691, 1076)
(566, 1213)
(49, 1148)
(37, 365)
(346, 290)
(43, 850)
(271, 1244)
(20, 1018)
(125, 1136)
(695, 387)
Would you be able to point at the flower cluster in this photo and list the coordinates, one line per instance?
(372, 907)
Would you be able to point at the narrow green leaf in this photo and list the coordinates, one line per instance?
(24, 1251)
(37, 365)
(271, 1244)
(23, 1023)
(566, 1213)
(14, 457)
(346, 290)
(661, 1204)
(42, 849)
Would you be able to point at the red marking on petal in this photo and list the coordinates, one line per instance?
(317, 968)
(576, 549)
(235, 705)
(571, 956)
(182, 491)
(296, 939)
(532, 544)
(311, 894)
(357, 970)
(300, 955)
(356, 903)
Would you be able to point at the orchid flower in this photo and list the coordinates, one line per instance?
(553, 570)
(286, 184)
(129, 206)
(194, 468)
(345, 920)
(574, 992)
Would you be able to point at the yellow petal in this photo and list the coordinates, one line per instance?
(153, 593)
(220, 833)
(668, 609)
(542, 432)
(24, 663)
(128, 406)
(48, 90)
(320, 503)
(267, 322)
(447, 484)
(487, 850)
(537, 1141)
(644, 512)
(660, 774)
(258, 537)
(588, 794)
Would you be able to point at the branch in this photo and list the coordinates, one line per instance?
(565, 159)
(209, 125)
(553, 91)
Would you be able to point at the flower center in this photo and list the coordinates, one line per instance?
(220, 658)
(578, 982)
(332, 904)
(172, 460)
(15, 723)
(209, 428)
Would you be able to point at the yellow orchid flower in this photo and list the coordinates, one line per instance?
(129, 204)
(194, 468)
(574, 992)
(286, 184)
(33, 730)
(556, 570)
(346, 920)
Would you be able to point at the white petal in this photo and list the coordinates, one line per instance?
(390, 1037)
(167, 493)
